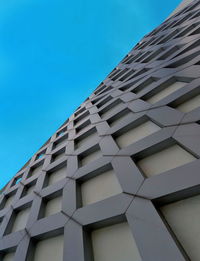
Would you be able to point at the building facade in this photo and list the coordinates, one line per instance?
(120, 179)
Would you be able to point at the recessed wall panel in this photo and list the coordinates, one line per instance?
(190, 104)
(165, 160)
(53, 206)
(183, 217)
(137, 133)
(91, 157)
(49, 249)
(100, 187)
(21, 220)
(9, 257)
(57, 175)
(114, 243)
(167, 91)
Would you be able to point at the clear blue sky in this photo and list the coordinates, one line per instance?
(53, 54)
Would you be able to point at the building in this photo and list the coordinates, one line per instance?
(120, 179)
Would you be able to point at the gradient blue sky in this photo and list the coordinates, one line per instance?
(53, 54)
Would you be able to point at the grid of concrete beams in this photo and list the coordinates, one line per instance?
(141, 127)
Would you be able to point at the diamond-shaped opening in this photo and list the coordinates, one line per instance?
(36, 169)
(110, 108)
(7, 201)
(49, 249)
(135, 131)
(40, 155)
(144, 84)
(61, 132)
(140, 72)
(142, 56)
(127, 86)
(105, 90)
(190, 104)
(153, 55)
(114, 242)
(163, 157)
(85, 138)
(51, 205)
(119, 117)
(99, 88)
(89, 155)
(165, 89)
(115, 71)
(184, 60)
(83, 126)
(57, 174)
(18, 219)
(168, 52)
(58, 155)
(81, 118)
(128, 59)
(183, 217)
(61, 141)
(99, 185)
(118, 75)
(187, 102)
(104, 101)
(17, 180)
(28, 189)
(97, 99)
(79, 111)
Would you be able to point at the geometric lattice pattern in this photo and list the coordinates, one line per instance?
(113, 177)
